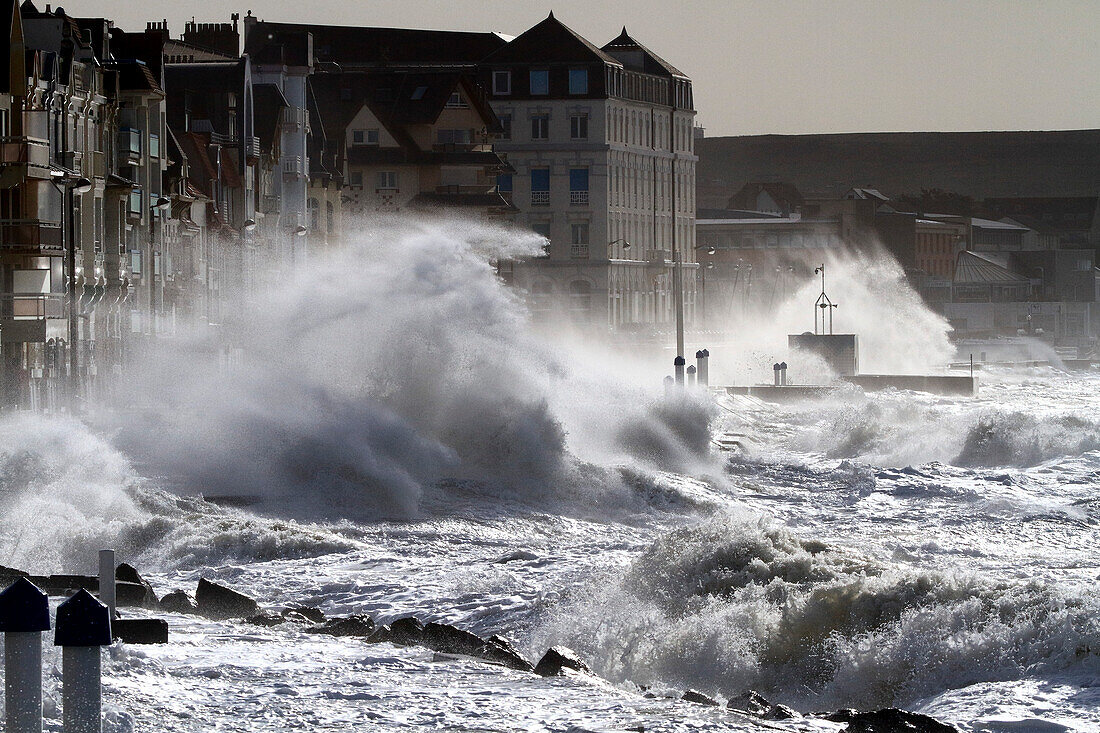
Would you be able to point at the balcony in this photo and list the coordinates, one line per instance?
(578, 198)
(294, 117)
(30, 234)
(578, 251)
(540, 198)
(32, 306)
(22, 157)
(293, 166)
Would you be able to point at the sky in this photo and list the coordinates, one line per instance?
(781, 66)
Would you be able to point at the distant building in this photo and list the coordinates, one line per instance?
(602, 143)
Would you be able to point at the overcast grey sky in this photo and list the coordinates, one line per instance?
(766, 66)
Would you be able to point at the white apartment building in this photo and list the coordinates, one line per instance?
(601, 141)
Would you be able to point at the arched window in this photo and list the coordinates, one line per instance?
(314, 214)
(542, 297)
(330, 218)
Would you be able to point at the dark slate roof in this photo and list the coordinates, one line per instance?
(734, 214)
(135, 75)
(349, 45)
(780, 192)
(177, 51)
(549, 42)
(202, 170)
(9, 14)
(626, 50)
(975, 268)
(268, 103)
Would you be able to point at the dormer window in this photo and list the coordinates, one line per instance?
(540, 82)
(419, 93)
(502, 82)
(455, 101)
(578, 81)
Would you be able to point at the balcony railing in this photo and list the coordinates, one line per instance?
(32, 306)
(30, 233)
(292, 165)
(540, 198)
(294, 117)
(15, 150)
(578, 198)
(578, 251)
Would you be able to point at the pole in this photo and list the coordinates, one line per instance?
(83, 626)
(24, 615)
(151, 273)
(678, 363)
(107, 579)
(678, 304)
(691, 370)
(74, 383)
(703, 370)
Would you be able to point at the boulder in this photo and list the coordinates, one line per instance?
(218, 602)
(62, 584)
(888, 720)
(781, 712)
(699, 698)
(557, 659)
(8, 575)
(501, 651)
(751, 702)
(308, 613)
(266, 619)
(359, 625)
(450, 640)
(178, 602)
(406, 631)
(140, 630)
(128, 574)
(139, 595)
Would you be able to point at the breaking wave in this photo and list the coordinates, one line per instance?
(734, 604)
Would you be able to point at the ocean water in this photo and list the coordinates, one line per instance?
(414, 445)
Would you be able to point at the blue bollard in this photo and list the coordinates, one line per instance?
(83, 626)
(24, 615)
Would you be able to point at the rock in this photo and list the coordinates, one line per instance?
(559, 658)
(65, 584)
(781, 712)
(450, 640)
(500, 650)
(888, 720)
(128, 574)
(8, 575)
(138, 595)
(266, 619)
(406, 631)
(751, 702)
(347, 626)
(698, 698)
(218, 602)
(309, 613)
(178, 602)
(140, 630)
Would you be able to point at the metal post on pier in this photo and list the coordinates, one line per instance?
(775, 369)
(83, 626)
(691, 370)
(702, 357)
(783, 373)
(24, 615)
(679, 363)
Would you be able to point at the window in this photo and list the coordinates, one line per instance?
(453, 137)
(540, 127)
(455, 101)
(506, 123)
(502, 82)
(504, 183)
(364, 137)
(540, 82)
(578, 186)
(540, 186)
(578, 127)
(580, 296)
(579, 232)
(578, 81)
(419, 93)
(314, 213)
(330, 218)
(387, 179)
(357, 179)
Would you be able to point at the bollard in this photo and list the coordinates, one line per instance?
(783, 373)
(669, 382)
(107, 579)
(702, 356)
(679, 364)
(83, 626)
(691, 375)
(775, 368)
(24, 615)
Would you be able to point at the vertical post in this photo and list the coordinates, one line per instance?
(669, 383)
(972, 365)
(702, 356)
(24, 615)
(107, 579)
(678, 302)
(83, 626)
(783, 373)
(775, 369)
(691, 375)
(679, 363)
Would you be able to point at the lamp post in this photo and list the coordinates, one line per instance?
(620, 240)
(72, 184)
(162, 203)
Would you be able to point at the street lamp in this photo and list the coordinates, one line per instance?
(248, 225)
(300, 231)
(620, 240)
